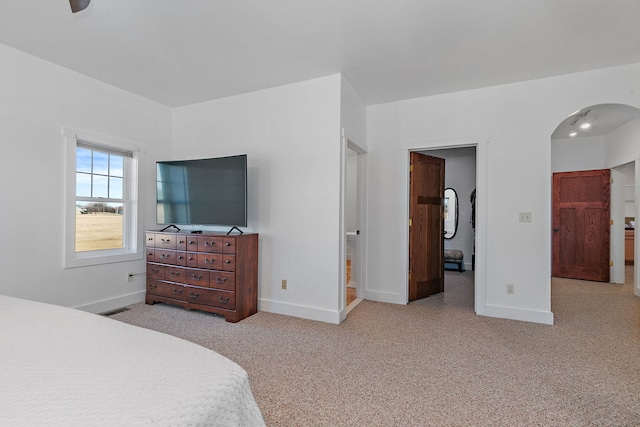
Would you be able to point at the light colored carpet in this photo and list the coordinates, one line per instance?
(434, 362)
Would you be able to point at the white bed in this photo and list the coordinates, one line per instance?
(60, 366)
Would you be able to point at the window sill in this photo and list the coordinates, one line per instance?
(86, 259)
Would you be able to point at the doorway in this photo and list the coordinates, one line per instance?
(463, 166)
(605, 136)
(354, 194)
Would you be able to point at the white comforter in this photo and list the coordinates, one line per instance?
(60, 366)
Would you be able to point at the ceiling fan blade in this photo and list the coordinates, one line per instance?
(78, 5)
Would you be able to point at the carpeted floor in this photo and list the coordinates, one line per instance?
(434, 362)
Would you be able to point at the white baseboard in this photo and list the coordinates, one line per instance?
(302, 311)
(534, 316)
(391, 298)
(113, 303)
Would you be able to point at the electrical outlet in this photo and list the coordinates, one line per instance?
(130, 277)
(510, 288)
(284, 284)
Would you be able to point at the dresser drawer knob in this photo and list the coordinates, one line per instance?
(221, 279)
(165, 240)
(194, 296)
(227, 261)
(195, 277)
(180, 257)
(191, 242)
(153, 286)
(207, 244)
(209, 261)
(174, 273)
(155, 271)
(224, 300)
(227, 244)
(177, 291)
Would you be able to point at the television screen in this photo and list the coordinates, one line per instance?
(203, 191)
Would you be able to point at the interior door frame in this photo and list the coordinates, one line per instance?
(480, 275)
(360, 264)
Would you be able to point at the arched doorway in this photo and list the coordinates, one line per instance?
(606, 137)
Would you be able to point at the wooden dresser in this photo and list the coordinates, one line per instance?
(211, 272)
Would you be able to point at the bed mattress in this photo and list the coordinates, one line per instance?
(61, 366)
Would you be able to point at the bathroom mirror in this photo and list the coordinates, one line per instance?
(450, 213)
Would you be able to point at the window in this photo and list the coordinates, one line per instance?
(101, 206)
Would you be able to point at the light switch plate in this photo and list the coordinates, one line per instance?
(525, 216)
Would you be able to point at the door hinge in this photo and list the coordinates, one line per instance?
(611, 222)
(610, 263)
(410, 222)
(410, 168)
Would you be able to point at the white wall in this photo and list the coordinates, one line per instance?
(351, 199)
(577, 154)
(37, 99)
(460, 174)
(353, 115)
(629, 191)
(623, 144)
(291, 135)
(518, 120)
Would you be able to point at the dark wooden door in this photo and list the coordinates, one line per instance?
(426, 244)
(581, 224)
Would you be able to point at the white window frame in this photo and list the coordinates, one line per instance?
(132, 237)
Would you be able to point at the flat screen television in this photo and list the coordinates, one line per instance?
(203, 191)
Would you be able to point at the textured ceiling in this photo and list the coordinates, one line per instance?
(183, 52)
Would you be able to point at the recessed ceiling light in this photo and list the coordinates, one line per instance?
(585, 126)
(572, 134)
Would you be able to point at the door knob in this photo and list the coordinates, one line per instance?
(556, 229)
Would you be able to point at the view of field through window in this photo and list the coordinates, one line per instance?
(98, 231)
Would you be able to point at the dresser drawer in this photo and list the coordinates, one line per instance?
(192, 243)
(197, 277)
(210, 260)
(165, 257)
(156, 271)
(192, 259)
(209, 244)
(165, 241)
(167, 290)
(176, 274)
(228, 262)
(222, 299)
(151, 239)
(181, 258)
(181, 242)
(222, 280)
(228, 245)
